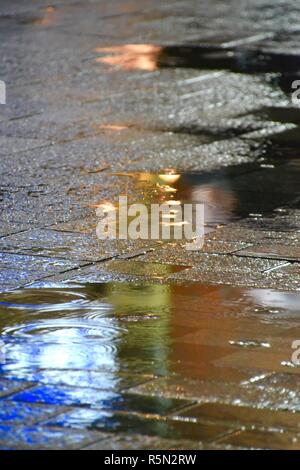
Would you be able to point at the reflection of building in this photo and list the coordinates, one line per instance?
(176, 219)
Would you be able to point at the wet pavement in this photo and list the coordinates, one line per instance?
(140, 343)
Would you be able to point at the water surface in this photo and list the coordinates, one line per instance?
(87, 345)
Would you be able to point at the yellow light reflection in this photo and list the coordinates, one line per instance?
(105, 206)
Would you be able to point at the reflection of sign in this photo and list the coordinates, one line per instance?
(2, 353)
(2, 92)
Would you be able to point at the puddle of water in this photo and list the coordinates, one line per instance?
(245, 190)
(109, 336)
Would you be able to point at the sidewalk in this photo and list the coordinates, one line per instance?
(141, 344)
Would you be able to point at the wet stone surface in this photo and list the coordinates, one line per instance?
(128, 344)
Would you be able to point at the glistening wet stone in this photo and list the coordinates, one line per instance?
(167, 429)
(151, 90)
(139, 268)
(9, 228)
(141, 442)
(206, 262)
(274, 251)
(252, 232)
(227, 194)
(248, 395)
(103, 399)
(264, 361)
(10, 145)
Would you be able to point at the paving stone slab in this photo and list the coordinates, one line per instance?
(288, 380)
(207, 262)
(266, 361)
(273, 251)
(70, 246)
(242, 232)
